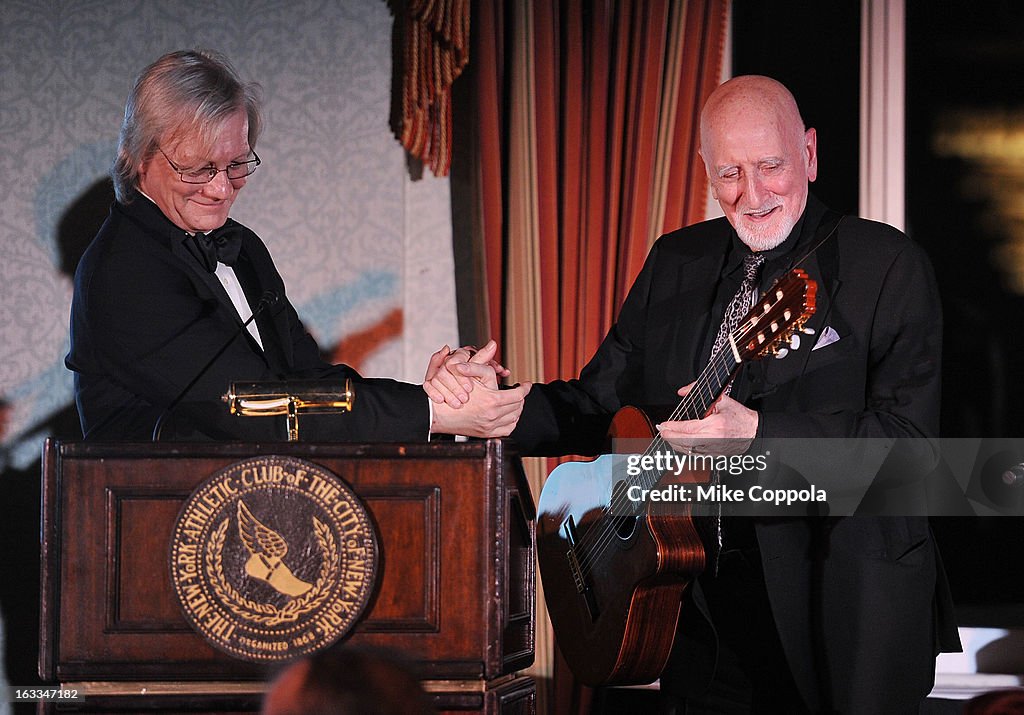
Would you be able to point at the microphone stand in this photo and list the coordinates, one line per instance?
(268, 299)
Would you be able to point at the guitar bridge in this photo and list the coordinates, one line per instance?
(574, 566)
(569, 528)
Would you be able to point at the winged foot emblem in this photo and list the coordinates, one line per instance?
(267, 549)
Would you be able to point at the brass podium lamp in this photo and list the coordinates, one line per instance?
(291, 398)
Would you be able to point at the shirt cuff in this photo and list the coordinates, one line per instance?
(430, 420)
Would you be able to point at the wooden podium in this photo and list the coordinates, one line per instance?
(455, 590)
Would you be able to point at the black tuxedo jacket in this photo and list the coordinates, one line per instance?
(146, 317)
(876, 581)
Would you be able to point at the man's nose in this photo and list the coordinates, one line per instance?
(753, 187)
(219, 186)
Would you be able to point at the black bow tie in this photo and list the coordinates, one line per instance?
(222, 245)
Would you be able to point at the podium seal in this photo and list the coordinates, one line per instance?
(273, 557)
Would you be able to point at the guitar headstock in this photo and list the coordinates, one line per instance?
(776, 316)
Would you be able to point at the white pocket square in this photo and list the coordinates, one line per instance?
(827, 337)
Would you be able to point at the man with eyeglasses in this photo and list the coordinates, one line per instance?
(170, 279)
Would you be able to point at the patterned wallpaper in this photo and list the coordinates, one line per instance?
(364, 250)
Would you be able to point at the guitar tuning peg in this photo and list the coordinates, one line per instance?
(794, 341)
(807, 331)
(782, 352)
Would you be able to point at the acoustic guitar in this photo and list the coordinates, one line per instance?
(614, 568)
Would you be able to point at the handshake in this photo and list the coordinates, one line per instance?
(467, 399)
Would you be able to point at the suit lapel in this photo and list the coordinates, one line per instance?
(701, 327)
(250, 286)
(145, 214)
(180, 248)
(689, 313)
(822, 265)
(267, 321)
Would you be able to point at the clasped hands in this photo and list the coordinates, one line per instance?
(463, 385)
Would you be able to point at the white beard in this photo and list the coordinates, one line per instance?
(765, 239)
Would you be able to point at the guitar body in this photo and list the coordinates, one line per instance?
(614, 568)
(620, 628)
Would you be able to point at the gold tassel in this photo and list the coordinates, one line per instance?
(435, 53)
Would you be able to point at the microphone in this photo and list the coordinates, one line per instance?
(267, 300)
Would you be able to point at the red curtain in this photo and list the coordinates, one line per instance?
(616, 90)
(584, 126)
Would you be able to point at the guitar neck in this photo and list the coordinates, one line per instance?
(781, 310)
(708, 387)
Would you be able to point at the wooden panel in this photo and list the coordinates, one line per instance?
(455, 591)
(102, 560)
(409, 525)
(136, 590)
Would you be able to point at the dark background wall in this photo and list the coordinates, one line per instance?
(963, 60)
(965, 97)
(814, 49)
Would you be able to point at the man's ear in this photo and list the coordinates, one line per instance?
(707, 172)
(811, 147)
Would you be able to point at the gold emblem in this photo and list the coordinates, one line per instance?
(268, 548)
(273, 557)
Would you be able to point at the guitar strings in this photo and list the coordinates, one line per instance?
(604, 533)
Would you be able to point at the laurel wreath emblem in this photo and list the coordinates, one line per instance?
(267, 614)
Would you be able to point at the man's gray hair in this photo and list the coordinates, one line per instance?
(188, 90)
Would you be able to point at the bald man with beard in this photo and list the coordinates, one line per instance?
(792, 614)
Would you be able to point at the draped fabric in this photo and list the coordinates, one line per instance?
(434, 39)
(586, 123)
(584, 137)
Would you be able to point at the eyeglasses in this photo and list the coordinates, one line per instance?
(204, 175)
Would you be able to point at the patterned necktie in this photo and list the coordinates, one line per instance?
(738, 307)
(740, 304)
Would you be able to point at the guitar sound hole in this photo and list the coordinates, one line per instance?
(625, 527)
